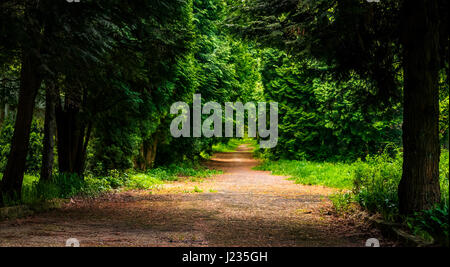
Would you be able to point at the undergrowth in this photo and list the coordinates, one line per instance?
(71, 185)
(372, 184)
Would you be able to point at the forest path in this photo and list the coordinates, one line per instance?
(241, 207)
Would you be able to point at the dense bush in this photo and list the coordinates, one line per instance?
(375, 184)
(376, 181)
(375, 189)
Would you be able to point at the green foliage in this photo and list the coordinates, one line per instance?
(71, 185)
(197, 58)
(323, 119)
(231, 144)
(326, 31)
(443, 120)
(119, 65)
(156, 176)
(61, 186)
(147, 75)
(375, 184)
(183, 149)
(338, 175)
(29, 194)
(221, 148)
(432, 223)
(343, 202)
(372, 184)
(197, 190)
(443, 108)
(182, 169)
(225, 70)
(376, 181)
(142, 181)
(5, 142)
(34, 157)
(444, 172)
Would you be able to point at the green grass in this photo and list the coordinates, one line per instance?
(142, 181)
(173, 172)
(372, 184)
(183, 169)
(232, 144)
(337, 175)
(67, 186)
(375, 174)
(197, 190)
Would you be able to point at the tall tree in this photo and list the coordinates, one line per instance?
(419, 187)
(364, 37)
(49, 133)
(29, 36)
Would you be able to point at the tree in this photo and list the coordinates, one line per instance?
(324, 119)
(419, 187)
(30, 37)
(363, 37)
(220, 68)
(149, 70)
(47, 37)
(49, 133)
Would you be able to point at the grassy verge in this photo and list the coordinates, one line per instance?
(372, 184)
(337, 175)
(70, 185)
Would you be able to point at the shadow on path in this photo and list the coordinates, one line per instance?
(241, 207)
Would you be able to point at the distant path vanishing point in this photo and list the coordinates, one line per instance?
(241, 207)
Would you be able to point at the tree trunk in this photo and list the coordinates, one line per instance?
(147, 154)
(30, 82)
(49, 133)
(151, 154)
(419, 186)
(72, 138)
(2, 115)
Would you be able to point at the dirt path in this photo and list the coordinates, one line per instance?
(241, 207)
